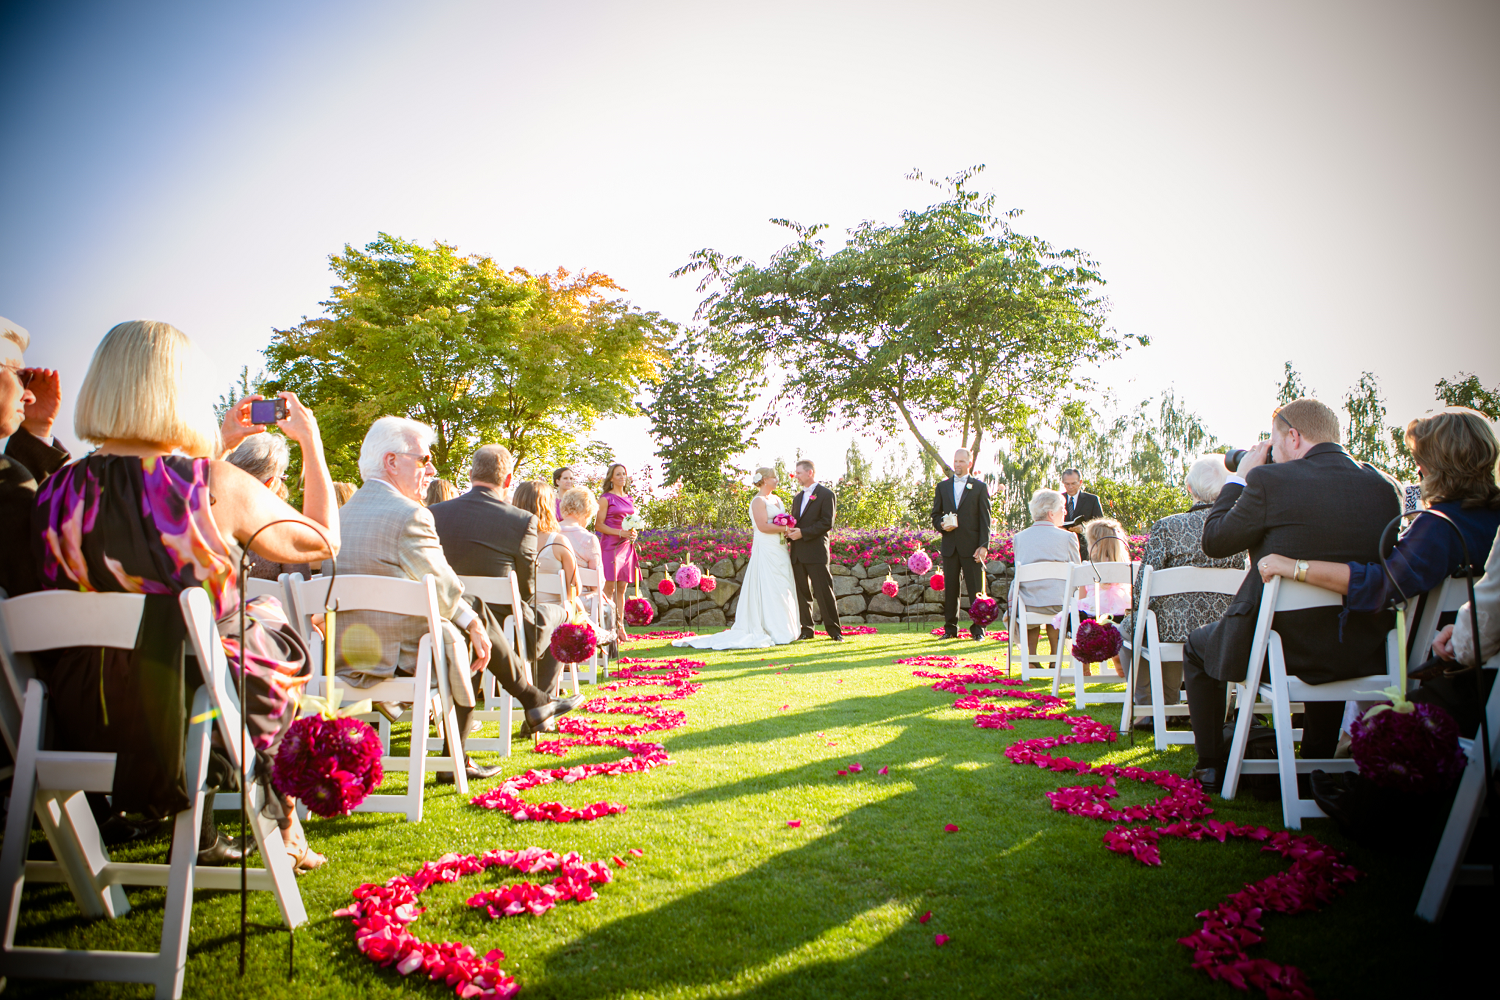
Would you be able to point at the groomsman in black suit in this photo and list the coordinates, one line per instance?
(1081, 507)
(814, 508)
(961, 511)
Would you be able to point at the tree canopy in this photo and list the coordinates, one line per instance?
(698, 416)
(949, 317)
(531, 361)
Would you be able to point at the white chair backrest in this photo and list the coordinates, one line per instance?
(57, 619)
(256, 587)
(1105, 572)
(492, 589)
(1043, 571)
(1448, 596)
(1289, 595)
(1192, 580)
(353, 592)
(590, 579)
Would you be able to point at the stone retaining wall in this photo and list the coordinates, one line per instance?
(857, 588)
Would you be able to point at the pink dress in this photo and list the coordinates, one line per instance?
(618, 553)
(1115, 602)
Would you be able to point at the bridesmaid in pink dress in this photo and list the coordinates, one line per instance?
(616, 544)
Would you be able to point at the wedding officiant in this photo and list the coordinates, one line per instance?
(961, 511)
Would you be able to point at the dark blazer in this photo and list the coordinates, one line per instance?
(1322, 506)
(973, 516)
(1086, 507)
(483, 535)
(27, 460)
(816, 522)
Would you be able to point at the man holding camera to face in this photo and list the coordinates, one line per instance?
(1300, 494)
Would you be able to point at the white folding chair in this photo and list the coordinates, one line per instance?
(256, 587)
(570, 671)
(1081, 575)
(591, 583)
(1285, 692)
(426, 690)
(1446, 598)
(1145, 642)
(1448, 868)
(55, 783)
(500, 592)
(1018, 618)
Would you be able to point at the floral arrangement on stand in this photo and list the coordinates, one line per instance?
(1317, 873)
(708, 584)
(890, 588)
(937, 581)
(688, 576)
(919, 562)
(328, 760)
(574, 641)
(638, 610)
(1097, 640)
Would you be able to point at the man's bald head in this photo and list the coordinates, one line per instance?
(491, 466)
(962, 460)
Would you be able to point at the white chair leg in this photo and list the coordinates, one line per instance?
(178, 912)
(1245, 701)
(74, 837)
(1158, 699)
(1286, 760)
(18, 820)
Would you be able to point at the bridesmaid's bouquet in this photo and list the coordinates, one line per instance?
(633, 523)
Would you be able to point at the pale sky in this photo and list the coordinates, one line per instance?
(1260, 182)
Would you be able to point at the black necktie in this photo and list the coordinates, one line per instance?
(1070, 508)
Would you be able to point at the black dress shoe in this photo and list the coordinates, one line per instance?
(472, 771)
(225, 851)
(835, 638)
(1211, 778)
(535, 717)
(976, 633)
(804, 635)
(950, 633)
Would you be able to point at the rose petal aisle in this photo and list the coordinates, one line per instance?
(673, 674)
(1316, 876)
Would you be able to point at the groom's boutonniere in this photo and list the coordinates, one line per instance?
(968, 486)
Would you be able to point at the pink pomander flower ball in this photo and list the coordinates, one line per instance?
(688, 576)
(984, 610)
(938, 581)
(707, 584)
(329, 764)
(574, 643)
(1413, 751)
(1096, 643)
(667, 587)
(889, 588)
(638, 611)
(919, 562)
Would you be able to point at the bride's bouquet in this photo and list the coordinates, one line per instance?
(785, 520)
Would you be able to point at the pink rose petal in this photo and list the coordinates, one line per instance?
(617, 861)
(940, 939)
(951, 828)
(925, 917)
(794, 822)
(636, 851)
(884, 770)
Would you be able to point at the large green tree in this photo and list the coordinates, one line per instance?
(948, 318)
(699, 416)
(480, 353)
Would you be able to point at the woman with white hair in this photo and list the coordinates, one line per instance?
(1177, 540)
(1045, 541)
(266, 457)
(154, 511)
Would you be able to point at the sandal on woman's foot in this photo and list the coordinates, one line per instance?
(298, 851)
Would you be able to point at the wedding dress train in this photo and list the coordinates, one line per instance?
(767, 610)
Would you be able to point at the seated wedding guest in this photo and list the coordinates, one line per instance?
(440, 490)
(1315, 502)
(482, 534)
(1045, 541)
(152, 511)
(577, 506)
(26, 419)
(266, 457)
(1456, 454)
(342, 492)
(1177, 540)
(563, 480)
(1456, 643)
(556, 564)
(1107, 542)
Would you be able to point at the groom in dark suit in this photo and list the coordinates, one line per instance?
(1079, 507)
(961, 511)
(814, 509)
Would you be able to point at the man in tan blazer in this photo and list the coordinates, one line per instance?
(387, 531)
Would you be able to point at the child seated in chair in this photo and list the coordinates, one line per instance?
(1107, 543)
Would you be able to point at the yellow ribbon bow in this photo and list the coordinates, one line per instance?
(1397, 694)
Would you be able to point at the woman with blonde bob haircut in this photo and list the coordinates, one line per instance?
(154, 511)
(1457, 453)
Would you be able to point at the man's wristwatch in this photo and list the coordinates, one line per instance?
(1301, 575)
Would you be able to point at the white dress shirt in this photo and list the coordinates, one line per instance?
(806, 496)
(959, 482)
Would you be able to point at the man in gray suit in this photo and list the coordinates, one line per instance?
(388, 532)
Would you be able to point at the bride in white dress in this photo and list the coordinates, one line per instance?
(767, 612)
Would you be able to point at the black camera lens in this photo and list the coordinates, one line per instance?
(1232, 459)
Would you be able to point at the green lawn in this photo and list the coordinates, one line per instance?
(728, 901)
